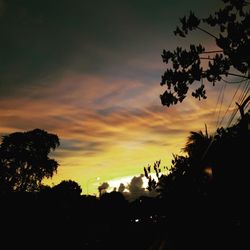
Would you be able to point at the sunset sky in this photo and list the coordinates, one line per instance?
(89, 71)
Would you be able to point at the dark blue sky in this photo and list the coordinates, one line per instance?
(43, 38)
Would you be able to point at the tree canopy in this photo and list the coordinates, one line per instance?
(24, 160)
(68, 188)
(231, 27)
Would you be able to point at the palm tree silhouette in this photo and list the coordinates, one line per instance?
(197, 143)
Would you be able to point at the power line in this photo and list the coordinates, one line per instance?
(232, 117)
(220, 98)
(247, 106)
(243, 93)
(241, 98)
(217, 102)
(235, 93)
(221, 101)
(233, 82)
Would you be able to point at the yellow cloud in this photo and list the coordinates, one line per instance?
(108, 128)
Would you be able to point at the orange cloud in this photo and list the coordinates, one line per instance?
(108, 127)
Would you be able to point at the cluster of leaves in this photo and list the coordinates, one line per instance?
(233, 23)
(186, 69)
(152, 184)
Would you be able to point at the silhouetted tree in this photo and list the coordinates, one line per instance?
(232, 24)
(207, 188)
(197, 148)
(68, 189)
(24, 160)
(230, 152)
(152, 183)
(113, 200)
(197, 143)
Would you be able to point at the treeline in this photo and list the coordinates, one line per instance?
(51, 218)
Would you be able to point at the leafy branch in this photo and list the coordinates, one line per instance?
(184, 66)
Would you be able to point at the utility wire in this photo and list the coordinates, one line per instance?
(243, 93)
(217, 102)
(233, 82)
(221, 101)
(241, 98)
(235, 93)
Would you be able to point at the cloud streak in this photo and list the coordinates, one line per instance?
(109, 132)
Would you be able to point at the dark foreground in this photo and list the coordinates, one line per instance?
(32, 221)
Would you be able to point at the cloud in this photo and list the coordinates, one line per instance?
(41, 45)
(135, 187)
(121, 188)
(119, 38)
(70, 109)
(122, 133)
(84, 148)
(103, 188)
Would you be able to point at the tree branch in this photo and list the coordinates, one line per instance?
(210, 34)
(212, 51)
(231, 74)
(206, 58)
(246, 77)
(241, 107)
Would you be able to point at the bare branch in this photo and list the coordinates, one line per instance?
(210, 34)
(241, 107)
(212, 51)
(246, 77)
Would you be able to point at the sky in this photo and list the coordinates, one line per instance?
(90, 71)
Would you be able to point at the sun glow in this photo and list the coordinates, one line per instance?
(115, 183)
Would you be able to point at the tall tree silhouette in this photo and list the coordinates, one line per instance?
(232, 24)
(24, 160)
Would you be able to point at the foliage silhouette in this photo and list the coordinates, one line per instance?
(24, 160)
(206, 189)
(232, 23)
(68, 189)
(194, 206)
